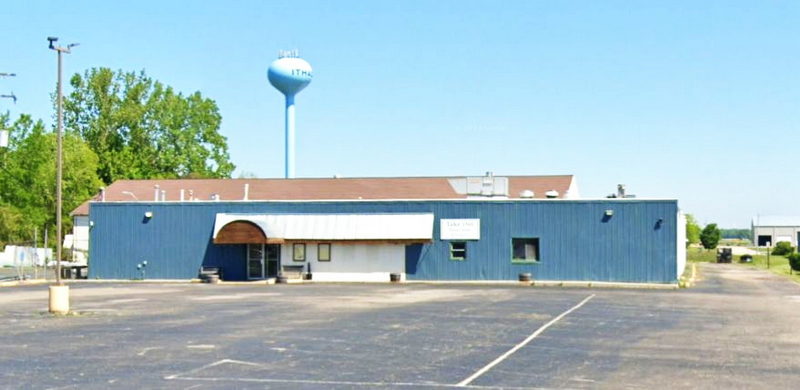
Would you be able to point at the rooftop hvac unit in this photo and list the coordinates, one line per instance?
(488, 185)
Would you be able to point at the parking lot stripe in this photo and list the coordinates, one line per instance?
(530, 338)
(187, 376)
(429, 385)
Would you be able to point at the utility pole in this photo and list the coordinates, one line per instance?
(59, 294)
(4, 132)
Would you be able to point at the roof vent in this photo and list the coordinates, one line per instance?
(526, 194)
(215, 197)
(552, 194)
(621, 193)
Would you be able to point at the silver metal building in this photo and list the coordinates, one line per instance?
(772, 229)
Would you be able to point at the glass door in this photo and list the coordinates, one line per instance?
(273, 257)
(255, 261)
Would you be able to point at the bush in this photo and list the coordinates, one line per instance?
(794, 261)
(783, 248)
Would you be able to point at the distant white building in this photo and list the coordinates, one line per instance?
(769, 230)
(24, 256)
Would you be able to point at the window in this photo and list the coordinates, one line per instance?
(299, 252)
(323, 252)
(458, 250)
(524, 250)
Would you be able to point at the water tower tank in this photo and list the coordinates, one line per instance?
(289, 74)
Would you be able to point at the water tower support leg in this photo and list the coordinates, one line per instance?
(289, 153)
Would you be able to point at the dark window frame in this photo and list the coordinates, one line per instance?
(454, 250)
(294, 252)
(319, 254)
(524, 241)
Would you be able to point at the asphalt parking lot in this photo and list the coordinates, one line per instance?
(737, 328)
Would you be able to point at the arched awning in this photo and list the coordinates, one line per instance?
(276, 228)
(240, 232)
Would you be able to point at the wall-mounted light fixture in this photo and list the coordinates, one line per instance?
(142, 267)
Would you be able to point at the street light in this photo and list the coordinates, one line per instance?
(59, 294)
(12, 96)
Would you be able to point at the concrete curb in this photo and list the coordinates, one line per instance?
(646, 286)
(502, 283)
(552, 283)
(27, 282)
(687, 283)
(132, 281)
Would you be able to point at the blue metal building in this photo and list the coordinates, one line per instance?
(618, 240)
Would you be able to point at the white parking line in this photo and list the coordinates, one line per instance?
(185, 377)
(530, 338)
(201, 346)
(128, 300)
(219, 297)
(146, 350)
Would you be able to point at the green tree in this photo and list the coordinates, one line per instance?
(739, 234)
(27, 183)
(142, 129)
(692, 230)
(710, 236)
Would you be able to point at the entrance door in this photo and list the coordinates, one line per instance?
(255, 261)
(273, 258)
(263, 261)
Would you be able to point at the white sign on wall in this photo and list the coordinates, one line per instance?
(460, 229)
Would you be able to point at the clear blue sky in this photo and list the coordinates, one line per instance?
(694, 100)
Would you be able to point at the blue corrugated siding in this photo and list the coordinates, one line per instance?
(576, 241)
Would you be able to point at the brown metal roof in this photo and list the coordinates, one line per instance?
(314, 189)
